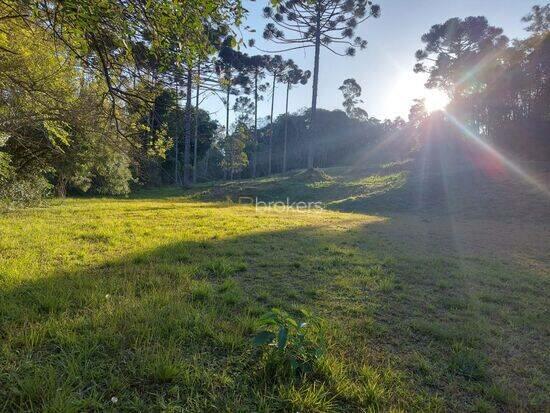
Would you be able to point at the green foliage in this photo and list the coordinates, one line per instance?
(499, 90)
(337, 23)
(340, 140)
(161, 137)
(18, 192)
(327, 25)
(538, 19)
(112, 175)
(235, 158)
(352, 92)
(122, 36)
(292, 345)
(5, 168)
(78, 124)
(55, 124)
(454, 47)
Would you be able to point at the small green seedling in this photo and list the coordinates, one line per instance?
(291, 343)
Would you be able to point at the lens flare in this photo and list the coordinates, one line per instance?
(512, 166)
(435, 100)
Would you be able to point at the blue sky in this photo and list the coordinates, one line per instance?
(384, 69)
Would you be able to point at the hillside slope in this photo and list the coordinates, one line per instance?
(151, 303)
(401, 187)
(439, 201)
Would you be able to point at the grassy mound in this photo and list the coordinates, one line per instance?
(409, 186)
(311, 175)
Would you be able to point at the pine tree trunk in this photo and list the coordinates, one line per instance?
(187, 136)
(206, 162)
(312, 131)
(255, 160)
(176, 143)
(227, 114)
(196, 125)
(226, 124)
(271, 127)
(286, 127)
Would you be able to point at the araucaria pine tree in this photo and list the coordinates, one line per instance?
(256, 67)
(331, 24)
(276, 66)
(292, 75)
(352, 97)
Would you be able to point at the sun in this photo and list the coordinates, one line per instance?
(435, 100)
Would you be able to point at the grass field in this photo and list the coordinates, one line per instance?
(150, 303)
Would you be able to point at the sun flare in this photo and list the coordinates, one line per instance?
(435, 100)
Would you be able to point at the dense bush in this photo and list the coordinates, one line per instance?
(24, 192)
(56, 129)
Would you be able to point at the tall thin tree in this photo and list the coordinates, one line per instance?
(257, 65)
(196, 132)
(276, 65)
(187, 130)
(232, 70)
(176, 140)
(291, 75)
(318, 23)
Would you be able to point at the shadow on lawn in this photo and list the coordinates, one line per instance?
(171, 327)
(166, 327)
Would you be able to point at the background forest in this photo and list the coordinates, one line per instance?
(94, 100)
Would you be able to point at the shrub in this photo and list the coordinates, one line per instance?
(19, 191)
(291, 346)
(29, 191)
(112, 176)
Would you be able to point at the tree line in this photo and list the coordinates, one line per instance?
(97, 107)
(499, 89)
(103, 97)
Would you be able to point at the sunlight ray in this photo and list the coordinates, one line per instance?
(511, 165)
(450, 201)
(384, 142)
(478, 67)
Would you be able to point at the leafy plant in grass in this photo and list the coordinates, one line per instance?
(292, 346)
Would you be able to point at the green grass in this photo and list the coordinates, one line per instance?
(151, 303)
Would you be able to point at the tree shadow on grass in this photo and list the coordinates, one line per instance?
(171, 327)
(167, 327)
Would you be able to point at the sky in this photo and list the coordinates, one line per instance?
(384, 69)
